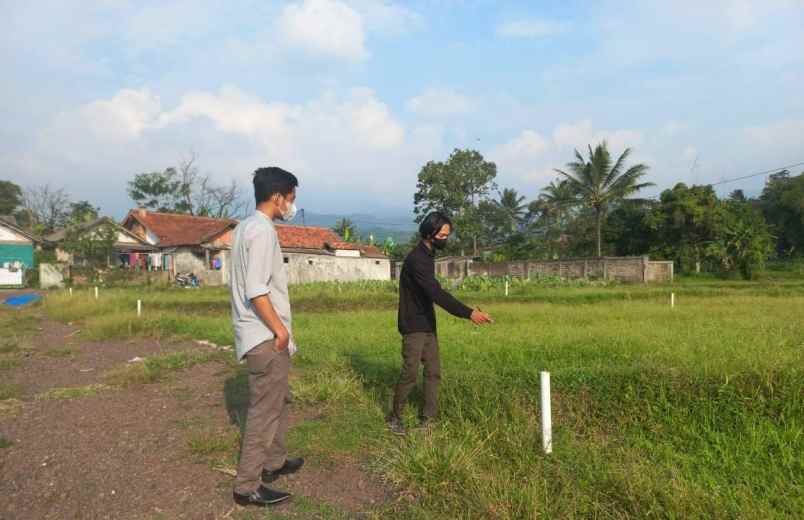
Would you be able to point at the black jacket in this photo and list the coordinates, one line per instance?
(419, 289)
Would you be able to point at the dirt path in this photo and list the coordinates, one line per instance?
(144, 451)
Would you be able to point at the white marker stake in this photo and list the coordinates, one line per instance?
(672, 300)
(506, 287)
(139, 308)
(96, 292)
(71, 291)
(547, 422)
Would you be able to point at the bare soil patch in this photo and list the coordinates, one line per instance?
(126, 452)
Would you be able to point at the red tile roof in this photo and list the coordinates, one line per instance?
(177, 229)
(304, 237)
(185, 230)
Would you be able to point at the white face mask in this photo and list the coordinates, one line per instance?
(289, 213)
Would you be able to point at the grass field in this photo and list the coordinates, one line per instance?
(691, 412)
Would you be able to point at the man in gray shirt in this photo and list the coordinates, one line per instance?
(264, 338)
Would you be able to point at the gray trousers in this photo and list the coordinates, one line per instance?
(419, 348)
(263, 442)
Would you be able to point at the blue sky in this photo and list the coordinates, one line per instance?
(356, 95)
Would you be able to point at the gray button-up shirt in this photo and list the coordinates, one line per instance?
(257, 268)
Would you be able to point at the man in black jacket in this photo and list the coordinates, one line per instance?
(418, 290)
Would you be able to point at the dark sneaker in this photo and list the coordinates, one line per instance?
(396, 426)
(290, 466)
(262, 497)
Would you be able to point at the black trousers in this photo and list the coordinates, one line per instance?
(419, 348)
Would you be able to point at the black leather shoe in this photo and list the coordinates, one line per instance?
(263, 497)
(290, 466)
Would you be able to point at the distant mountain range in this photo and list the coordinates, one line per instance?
(398, 227)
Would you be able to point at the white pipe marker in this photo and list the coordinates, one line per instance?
(71, 291)
(96, 292)
(672, 300)
(139, 308)
(547, 421)
(506, 287)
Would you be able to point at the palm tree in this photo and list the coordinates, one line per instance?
(597, 182)
(556, 199)
(513, 206)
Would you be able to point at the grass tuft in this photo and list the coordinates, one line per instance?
(74, 392)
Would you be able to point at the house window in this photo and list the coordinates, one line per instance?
(287, 260)
(376, 262)
(310, 262)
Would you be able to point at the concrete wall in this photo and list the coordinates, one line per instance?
(624, 269)
(186, 261)
(660, 271)
(307, 268)
(52, 276)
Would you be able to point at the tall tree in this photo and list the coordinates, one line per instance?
(91, 246)
(156, 191)
(513, 207)
(81, 212)
(683, 222)
(186, 190)
(782, 202)
(45, 207)
(743, 242)
(10, 197)
(346, 229)
(456, 186)
(598, 182)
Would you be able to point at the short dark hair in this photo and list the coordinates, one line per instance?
(272, 180)
(432, 223)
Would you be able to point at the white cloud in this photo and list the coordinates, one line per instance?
(440, 102)
(337, 141)
(778, 135)
(120, 118)
(580, 135)
(532, 28)
(324, 27)
(387, 18)
(527, 161)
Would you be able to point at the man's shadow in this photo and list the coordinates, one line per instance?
(235, 392)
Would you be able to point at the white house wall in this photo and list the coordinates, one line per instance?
(308, 268)
(7, 235)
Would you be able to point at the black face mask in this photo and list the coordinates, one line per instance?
(439, 243)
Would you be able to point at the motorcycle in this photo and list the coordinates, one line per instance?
(187, 281)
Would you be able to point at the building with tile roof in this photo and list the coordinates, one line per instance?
(202, 245)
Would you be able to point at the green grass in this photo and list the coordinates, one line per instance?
(209, 443)
(7, 363)
(692, 412)
(60, 352)
(5, 443)
(73, 392)
(9, 391)
(154, 369)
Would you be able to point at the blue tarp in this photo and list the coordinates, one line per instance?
(22, 299)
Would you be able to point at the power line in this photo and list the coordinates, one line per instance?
(766, 172)
(724, 181)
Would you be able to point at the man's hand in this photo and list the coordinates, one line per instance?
(479, 317)
(282, 340)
